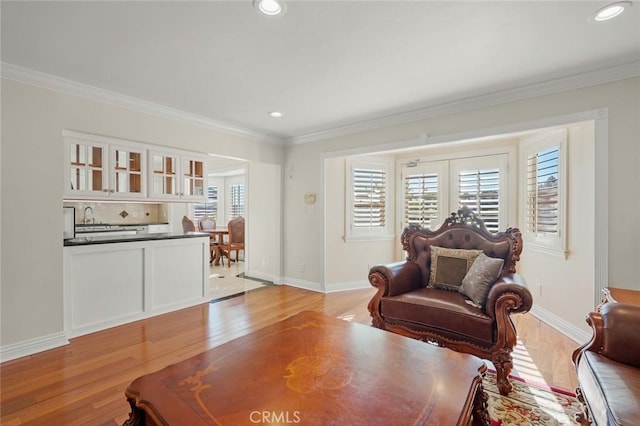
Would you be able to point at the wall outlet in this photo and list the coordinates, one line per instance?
(539, 286)
(301, 267)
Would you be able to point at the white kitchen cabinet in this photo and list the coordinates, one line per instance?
(101, 167)
(86, 172)
(98, 167)
(163, 175)
(106, 285)
(174, 176)
(194, 179)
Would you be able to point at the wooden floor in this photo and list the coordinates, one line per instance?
(83, 383)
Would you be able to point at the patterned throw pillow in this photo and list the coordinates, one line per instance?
(481, 276)
(450, 266)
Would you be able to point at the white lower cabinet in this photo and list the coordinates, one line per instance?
(112, 284)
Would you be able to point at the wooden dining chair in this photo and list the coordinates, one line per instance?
(207, 224)
(187, 225)
(236, 239)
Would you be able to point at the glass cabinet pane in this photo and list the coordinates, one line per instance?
(193, 177)
(164, 174)
(121, 160)
(121, 182)
(135, 183)
(95, 157)
(135, 161)
(77, 154)
(86, 172)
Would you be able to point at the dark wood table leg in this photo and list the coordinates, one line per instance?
(480, 408)
(137, 417)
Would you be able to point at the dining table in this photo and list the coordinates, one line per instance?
(218, 234)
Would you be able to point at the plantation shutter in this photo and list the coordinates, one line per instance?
(210, 208)
(369, 197)
(479, 190)
(235, 201)
(542, 192)
(421, 198)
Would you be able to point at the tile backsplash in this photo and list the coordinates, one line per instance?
(119, 213)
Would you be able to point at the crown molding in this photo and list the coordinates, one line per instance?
(62, 85)
(74, 88)
(564, 84)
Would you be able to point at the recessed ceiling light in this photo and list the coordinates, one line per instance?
(275, 114)
(610, 11)
(270, 7)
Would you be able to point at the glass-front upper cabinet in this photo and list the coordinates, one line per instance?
(163, 177)
(86, 172)
(101, 167)
(193, 173)
(97, 167)
(127, 172)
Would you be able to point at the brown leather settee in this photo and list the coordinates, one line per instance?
(411, 300)
(608, 367)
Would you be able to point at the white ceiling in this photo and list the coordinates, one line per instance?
(324, 64)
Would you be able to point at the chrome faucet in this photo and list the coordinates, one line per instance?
(85, 220)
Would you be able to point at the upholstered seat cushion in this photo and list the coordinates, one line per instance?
(612, 389)
(445, 310)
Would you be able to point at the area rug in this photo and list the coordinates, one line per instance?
(529, 404)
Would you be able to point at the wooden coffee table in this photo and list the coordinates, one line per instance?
(315, 370)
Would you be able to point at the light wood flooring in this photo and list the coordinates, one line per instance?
(83, 383)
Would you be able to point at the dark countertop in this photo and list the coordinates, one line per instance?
(84, 241)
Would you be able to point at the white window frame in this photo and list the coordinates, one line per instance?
(385, 232)
(554, 244)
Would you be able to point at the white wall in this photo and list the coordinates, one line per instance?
(264, 222)
(347, 262)
(32, 186)
(565, 287)
(621, 98)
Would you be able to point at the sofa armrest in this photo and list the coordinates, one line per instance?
(616, 333)
(396, 278)
(509, 293)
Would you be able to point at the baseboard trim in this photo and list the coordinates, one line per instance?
(346, 286)
(32, 346)
(262, 276)
(571, 331)
(306, 285)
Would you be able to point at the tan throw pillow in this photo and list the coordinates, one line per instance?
(450, 266)
(480, 278)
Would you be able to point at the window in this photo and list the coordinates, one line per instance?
(424, 202)
(433, 189)
(235, 201)
(367, 198)
(421, 198)
(543, 205)
(542, 192)
(208, 209)
(479, 190)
